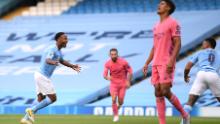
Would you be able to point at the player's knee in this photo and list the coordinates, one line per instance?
(190, 102)
(157, 91)
(120, 102)
(166, 92)
(53, 98)
(158, 94)
(40, 97)
(157, 88)
(113, 101)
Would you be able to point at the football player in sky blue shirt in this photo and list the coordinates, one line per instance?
(51, 58)
(208, 62)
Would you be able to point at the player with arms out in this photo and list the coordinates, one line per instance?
(46, 94)
(120, 77)
(167, 43)
(208, 61)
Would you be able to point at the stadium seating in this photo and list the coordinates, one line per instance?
(49, 7)
(7, 5)
(124, 6)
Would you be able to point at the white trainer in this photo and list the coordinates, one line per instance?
(25, 121)
(186, 120)
(30, 114)
(116, 118)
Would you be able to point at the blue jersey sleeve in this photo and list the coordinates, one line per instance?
(50, 54)
(194, 59)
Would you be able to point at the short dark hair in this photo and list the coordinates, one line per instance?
(171, 5)
(58, 35)
(211, 41)
(113, 49)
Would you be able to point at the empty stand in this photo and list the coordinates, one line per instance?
(124, 6)
(7, 5)
(50, 7)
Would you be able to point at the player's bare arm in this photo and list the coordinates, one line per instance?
(187, 69)
(52, 62)
(150, 58)
(106, 74)
(74, 67)
(129, 75)
(177, 46)
(107, 78)
(129, 78)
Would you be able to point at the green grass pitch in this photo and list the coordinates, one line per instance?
(71, 119)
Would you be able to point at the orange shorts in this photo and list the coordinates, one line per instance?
(160, 75)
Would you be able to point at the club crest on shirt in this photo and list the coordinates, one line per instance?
(159, 35)
(51, 54)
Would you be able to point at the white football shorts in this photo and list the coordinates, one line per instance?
(206, 80)
(43, 84)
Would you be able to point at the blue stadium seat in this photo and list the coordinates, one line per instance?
(139, 6)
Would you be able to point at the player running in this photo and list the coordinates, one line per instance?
(208, 61)
(167, 43)
(46, 94)
(120, 77)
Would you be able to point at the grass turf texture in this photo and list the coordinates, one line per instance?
(70, 119)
